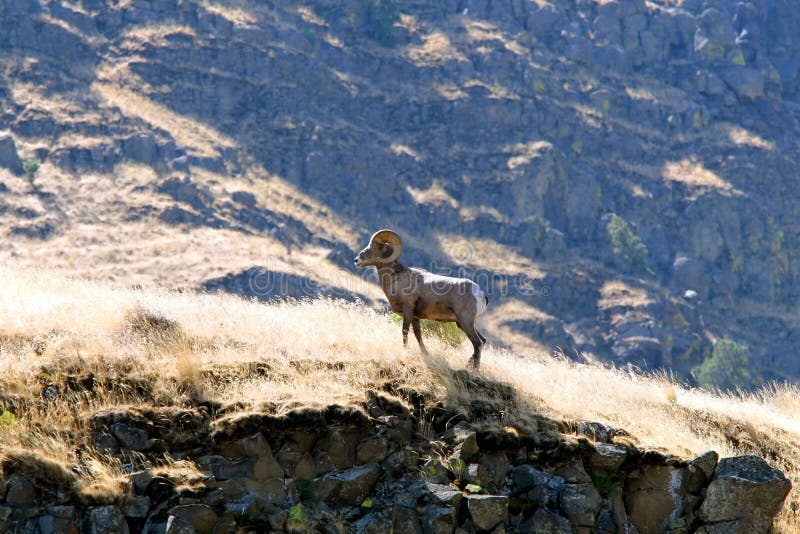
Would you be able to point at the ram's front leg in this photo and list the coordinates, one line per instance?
(418, 333)
(408, 315)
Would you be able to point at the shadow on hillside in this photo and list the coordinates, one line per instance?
(267, 285)
(372, 133)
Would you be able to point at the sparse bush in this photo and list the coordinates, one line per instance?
(376, 18)
(450, 333)
(31, 167)
(728, 367)
(605, 484)
(6, 418)
(627, 246)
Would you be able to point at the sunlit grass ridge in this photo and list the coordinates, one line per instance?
(319, 352)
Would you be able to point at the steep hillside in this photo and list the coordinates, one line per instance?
(127, 410)
(589, 161)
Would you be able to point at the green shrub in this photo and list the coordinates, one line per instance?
(728, 367)
(7, 418)
(627, 246)
(605, 484)
(31, 167)
(450, 333)
(376, 19)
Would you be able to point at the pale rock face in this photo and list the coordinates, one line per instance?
(654, 497)
(745, 489)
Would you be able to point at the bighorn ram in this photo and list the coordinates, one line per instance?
(418, 294)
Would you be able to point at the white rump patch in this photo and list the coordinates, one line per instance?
(480, 299)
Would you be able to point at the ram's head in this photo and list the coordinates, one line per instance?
(384, 246)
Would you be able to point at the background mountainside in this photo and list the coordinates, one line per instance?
(589, 161)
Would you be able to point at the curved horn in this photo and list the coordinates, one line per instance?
(390, 238)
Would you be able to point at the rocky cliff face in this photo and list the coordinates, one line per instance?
(384, 466)
(626, 151)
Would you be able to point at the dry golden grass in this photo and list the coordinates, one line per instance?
(741, 137)
(496, 91)
(435, 195)
(436, 49)
(450, 91)
(477, 252)
(319, 352)
(482, 31)
(658, 93)
(103, 243)
(697, 177)
(618, 293)
(524, 153)
(153, 35)
(198, 138)
(239, 15)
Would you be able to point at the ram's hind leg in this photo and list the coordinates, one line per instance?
(477, 341)
(418, 334)
(481, 336)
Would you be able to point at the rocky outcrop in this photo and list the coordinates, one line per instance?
(744, 494)
(9, 159)
(365, 468)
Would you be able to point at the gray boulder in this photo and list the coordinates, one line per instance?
(607, 458)
(478, 474)
(405, 520)
(487, 511)
(435, 472)
(546, 522)
(688, 273)
(544, 19)
(245, 198)
(137, 507)
(714, 37)
(374, 523)
(178, 525)
(9, 159)
(611, 57)
(726, 527)
(105, 520)
(20, 492)
(538, 487)
(58, 519)
(185, 190)
(439, 520)
(465, 444)
(129, 437)
(746, 83)
(347, 488)
(700, 471)
(141, 148)
(632, 7)
(607, 26)
(746, 490)
(201, 517)
(581, 503)
(448, 495)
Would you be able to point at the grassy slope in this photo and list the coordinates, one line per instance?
(319, 352)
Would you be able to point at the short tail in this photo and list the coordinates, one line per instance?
(481, 300)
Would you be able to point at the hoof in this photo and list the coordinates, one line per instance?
(474, 364)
